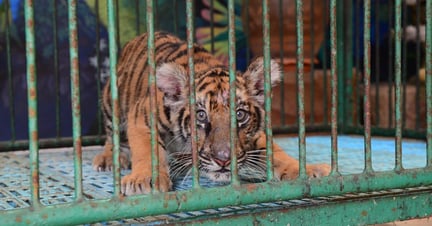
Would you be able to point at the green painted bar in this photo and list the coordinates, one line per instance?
(300, 89)
(267, 88)
(232, 91)
(199, 199)
(152, 87)
(75, 98)
(32, 103)
(366, 98)
(112, 40)
(334, 86)
(429, 81)
(398, 84)
(190, 30)
(374, 210)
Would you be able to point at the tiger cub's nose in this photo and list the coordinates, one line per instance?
(222, 157)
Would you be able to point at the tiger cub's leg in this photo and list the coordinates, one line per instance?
(287, 168)
(104, 160)
(139, 180)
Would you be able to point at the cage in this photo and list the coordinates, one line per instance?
(355, 93)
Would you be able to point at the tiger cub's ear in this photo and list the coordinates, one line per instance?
(171, 79)
(254, 77)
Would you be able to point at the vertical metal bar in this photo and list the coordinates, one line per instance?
(232, 83)
(429, 81)
(32, 102)
(367, 118)
(312, 57)
(397, 68)
(190, 30)
(152, 86)
(56, 69)
(281, 55)
(267, 88)
(300, 89)
(334, 85)
(75, 95)
(114, 94)
(9, 71)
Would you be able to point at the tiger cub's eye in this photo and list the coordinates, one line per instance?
(201, 116)
(242, 116)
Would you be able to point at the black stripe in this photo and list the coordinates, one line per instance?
(259, 118)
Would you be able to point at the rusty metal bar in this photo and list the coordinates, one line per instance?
(199, 199)
(366, 98)
(152, 87)
(300, 89)
(190, 32)
(112, 39)
(398, 89)
(334, 87)
(429, 81)
(75, 95)
(232, 91)
(32, 103)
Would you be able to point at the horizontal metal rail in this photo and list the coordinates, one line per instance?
(199, 199)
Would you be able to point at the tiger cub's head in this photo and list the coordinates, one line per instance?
(213, 120)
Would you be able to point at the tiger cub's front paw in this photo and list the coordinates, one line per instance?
(318, 170)
(313, 171)
(104, 162)
(141, 183)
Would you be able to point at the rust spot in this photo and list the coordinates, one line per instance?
(45, 216)
(32, 112)
(93, 205)
(30, 23)
(18, 219)
(251, 187)
(364, 213)
(394, 209)
(32, 71)
(34, 135)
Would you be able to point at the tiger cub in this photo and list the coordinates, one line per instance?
(173, 119)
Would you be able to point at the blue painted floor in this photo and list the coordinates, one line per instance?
(351, 152)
